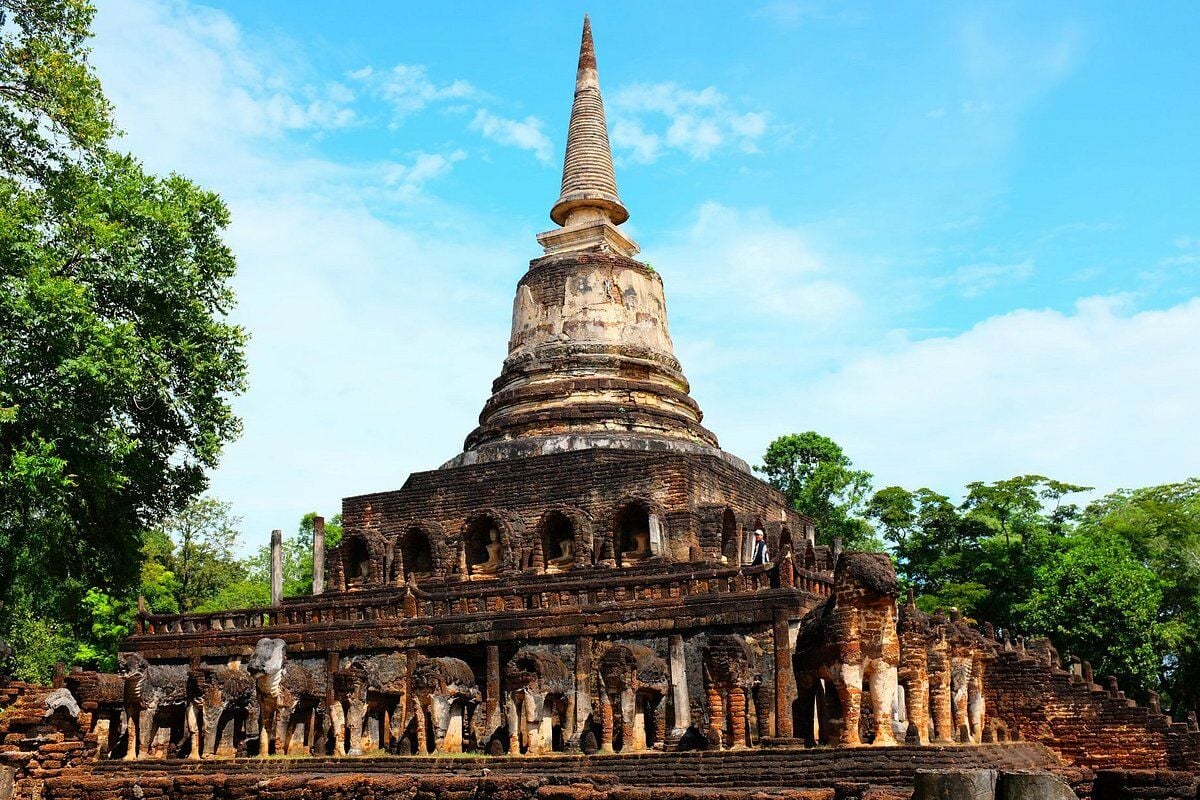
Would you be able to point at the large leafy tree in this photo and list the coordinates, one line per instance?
(820, 480)
(116, 358)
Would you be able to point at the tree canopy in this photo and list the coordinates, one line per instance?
(117, 359)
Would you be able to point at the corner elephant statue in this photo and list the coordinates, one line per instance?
(850, 642)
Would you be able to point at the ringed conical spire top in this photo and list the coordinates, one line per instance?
(588, 177)
(588, 206)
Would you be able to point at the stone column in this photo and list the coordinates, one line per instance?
(583, 685)
(660, 724)
(785, 682)
(276, 568)
(318, 584)
(960, 676)
(679, 689)
(975, 702)
(492, 698)
(334, 722)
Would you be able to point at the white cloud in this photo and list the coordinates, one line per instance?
(972, 280)
(649, 118)
(525, 134)
(354, 296)
(409, 89)
(1100, 396)
(644, 146)
(215, 86)
(745, 257)
(409, 179)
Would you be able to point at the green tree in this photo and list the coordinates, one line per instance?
(1099, 601)
(1160, 525)
(202, 557)
(820, 481)
(254, 588)
(116, 358)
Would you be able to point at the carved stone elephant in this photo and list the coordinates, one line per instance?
(372, 692)
(731, 680)
(154, 694)
(850, 642)
(446, 690)
(540, 691)
(634, 679)
(288, 696)
(224, 697)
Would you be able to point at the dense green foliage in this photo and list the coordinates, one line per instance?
(1116, 583)
(821, 482)
(116, 359)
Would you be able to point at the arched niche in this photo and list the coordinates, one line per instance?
(356, 560)
(730, 542)
(631, 533)
(486, 548)
(786, 545)
(414, 555)
(560, 547)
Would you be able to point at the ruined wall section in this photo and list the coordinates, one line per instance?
(1088, 725)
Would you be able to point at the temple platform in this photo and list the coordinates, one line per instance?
(849, 771)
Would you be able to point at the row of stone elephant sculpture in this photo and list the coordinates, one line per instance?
(279, 702)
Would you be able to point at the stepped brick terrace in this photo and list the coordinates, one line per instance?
(578, 606)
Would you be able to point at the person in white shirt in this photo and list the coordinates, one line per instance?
(759, 554)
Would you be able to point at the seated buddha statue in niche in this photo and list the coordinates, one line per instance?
(640, 549)
(566, 557)
(494, 560)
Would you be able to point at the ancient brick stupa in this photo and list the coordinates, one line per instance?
(590, 361)
(583, 599)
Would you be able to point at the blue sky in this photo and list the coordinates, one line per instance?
(961, 239)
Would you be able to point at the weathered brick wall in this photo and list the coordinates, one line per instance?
(1084, 724)
(683, 489)
(32, 746)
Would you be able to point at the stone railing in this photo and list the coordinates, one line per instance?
(456, 597)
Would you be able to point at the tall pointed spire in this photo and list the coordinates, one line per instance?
(588, 207)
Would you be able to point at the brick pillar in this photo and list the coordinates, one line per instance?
(679, 690)
(762, 713)
(716, 716)
(939, 695)
(785, 682)
(318, 580)
(660, 723)
(606, 722)
(276, 568)
(583, 685)
(737, 716)
(492, 700)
